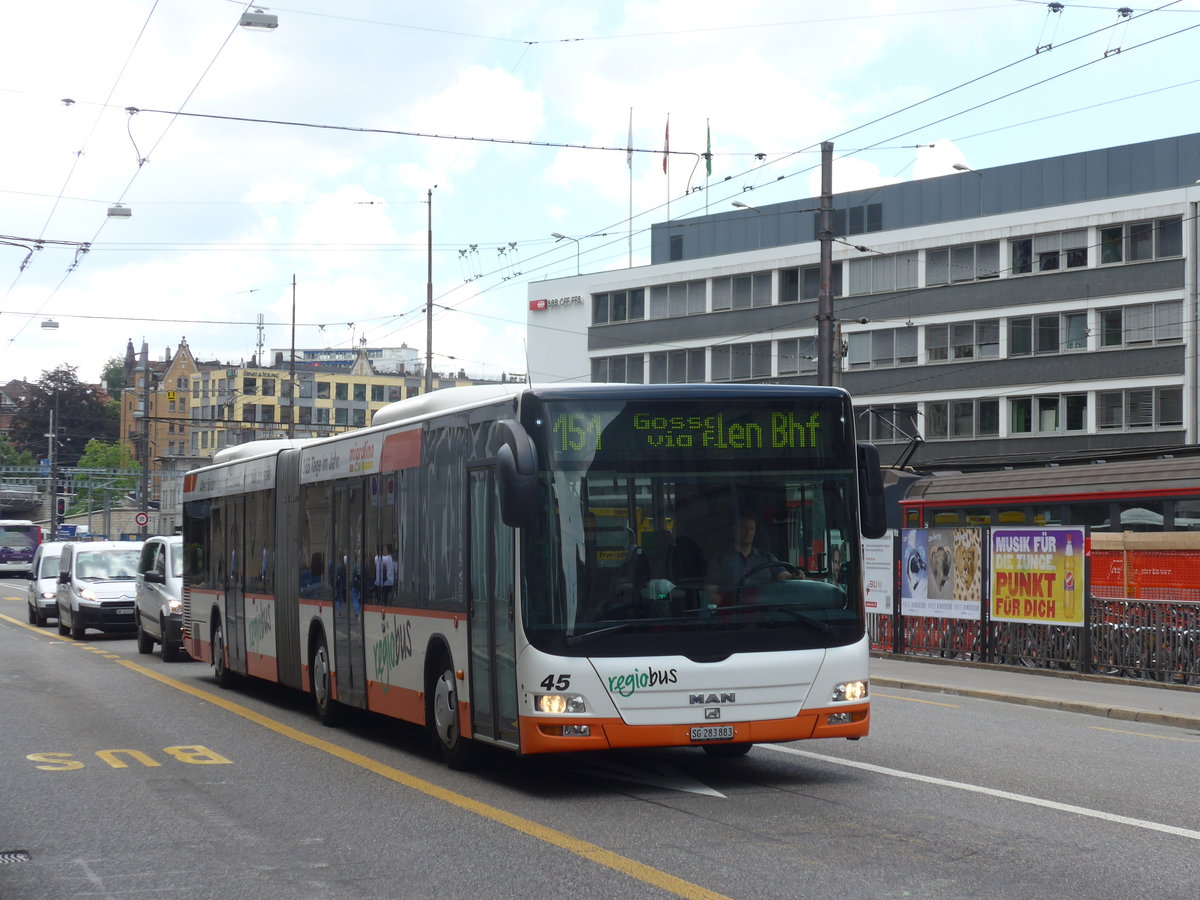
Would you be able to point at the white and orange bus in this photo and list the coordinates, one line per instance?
(478, 560)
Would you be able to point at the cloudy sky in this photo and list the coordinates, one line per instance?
(251, 158)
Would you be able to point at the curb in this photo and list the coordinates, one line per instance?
(1118, 713)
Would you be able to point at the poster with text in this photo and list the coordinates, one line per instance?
(1037, 575)
(950, 573)
(877, 577)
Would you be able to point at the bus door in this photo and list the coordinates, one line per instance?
(349, 587)
(492, 611)
(235, 584)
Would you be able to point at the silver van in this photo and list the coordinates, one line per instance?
(42, 594)
(96, 584)
(160, 596)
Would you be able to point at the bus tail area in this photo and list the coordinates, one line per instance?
(551, 569)
(19, 540)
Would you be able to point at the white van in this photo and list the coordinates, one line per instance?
(96, 585)
(160, 596)
(42, 594)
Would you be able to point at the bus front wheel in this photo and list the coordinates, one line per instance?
(458, 751)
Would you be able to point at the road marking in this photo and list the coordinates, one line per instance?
(593, 852)
(623, 864)
(992, 792)
(1156, 737)
(916, 700)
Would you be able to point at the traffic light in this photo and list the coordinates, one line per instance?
(62, 506)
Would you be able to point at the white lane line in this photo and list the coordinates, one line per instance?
(992, 792)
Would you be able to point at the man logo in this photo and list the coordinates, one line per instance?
(703, 699)
(713, 713)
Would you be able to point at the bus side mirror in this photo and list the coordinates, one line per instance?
(871, 510)
(516, 473)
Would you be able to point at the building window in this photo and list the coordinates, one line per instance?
(963, 340)
(683, 298)
(377, 393)
(677, 367)
(805, 283)
(249, 387)
(359, 418)
(340, 416)
(888, 424)
(1140, 408)
(1148, 323)
(965, 262)
(321, 415)
(961, 419)
(883, 348)
(737, 292)
(797, 356)
(268, 387)
(732, 362)
(322, 390)
(1053, 333)
(619, 306)
(1138, 241)
(618, 369)
(341, 391)
(360, 393)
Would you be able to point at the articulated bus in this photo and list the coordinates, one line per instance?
(19, 539)
(528, 567)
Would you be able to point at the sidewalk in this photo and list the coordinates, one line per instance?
(1096, 695)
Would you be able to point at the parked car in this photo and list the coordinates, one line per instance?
(96, 586)
(160, 596)
(42, 594)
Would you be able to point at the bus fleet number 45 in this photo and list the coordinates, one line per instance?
(556, 682)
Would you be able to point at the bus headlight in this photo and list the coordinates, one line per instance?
(850, 690)
(559, 704)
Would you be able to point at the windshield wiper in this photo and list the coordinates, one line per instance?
(573, 639)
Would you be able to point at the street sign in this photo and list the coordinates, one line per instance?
(141, 520)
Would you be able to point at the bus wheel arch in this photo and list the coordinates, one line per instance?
(441, 707)
(220, 664)
(320, 675)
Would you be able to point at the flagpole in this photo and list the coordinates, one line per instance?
(707, 160)
(629, 165)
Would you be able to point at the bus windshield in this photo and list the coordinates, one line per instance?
(728, 526)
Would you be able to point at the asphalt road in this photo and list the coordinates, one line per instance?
(121, 775)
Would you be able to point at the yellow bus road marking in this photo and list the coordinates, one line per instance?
(1155, 737)
(915, 700)
(615, 861)
(623, 864)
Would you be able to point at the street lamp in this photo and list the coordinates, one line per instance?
(740, 205)
(257, 20)
(562, 237)
(963, 167)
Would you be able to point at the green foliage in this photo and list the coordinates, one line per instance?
(79, 414)
(11, 456)
(96, 490)
(112, 376)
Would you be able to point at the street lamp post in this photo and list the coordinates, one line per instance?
(562, 237)
(963, 167)
(429, 301)
(825, 293)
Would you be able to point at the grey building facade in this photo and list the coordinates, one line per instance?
(1038, 312)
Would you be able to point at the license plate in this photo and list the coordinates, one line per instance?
(124, 612)
(712, 733)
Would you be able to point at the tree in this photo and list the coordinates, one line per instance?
(11, 456)
(114, 460)
(112, 376)
(80, 414)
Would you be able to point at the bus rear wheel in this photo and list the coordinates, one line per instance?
(456, 750)
(220, 668)
(329, 711)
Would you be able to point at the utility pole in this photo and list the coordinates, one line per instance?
(825, 357)
(429, 303)
(52, 455)
(144, 449)
(291, 429)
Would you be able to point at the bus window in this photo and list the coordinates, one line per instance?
(1187, 515)
(1012, 517)
(1142, 515)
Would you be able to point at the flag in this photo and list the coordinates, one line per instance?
(666, 143)
(708, 149)
(629, 146)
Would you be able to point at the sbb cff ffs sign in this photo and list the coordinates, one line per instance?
(553, 302)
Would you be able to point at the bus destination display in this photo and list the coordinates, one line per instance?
(660, 432)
